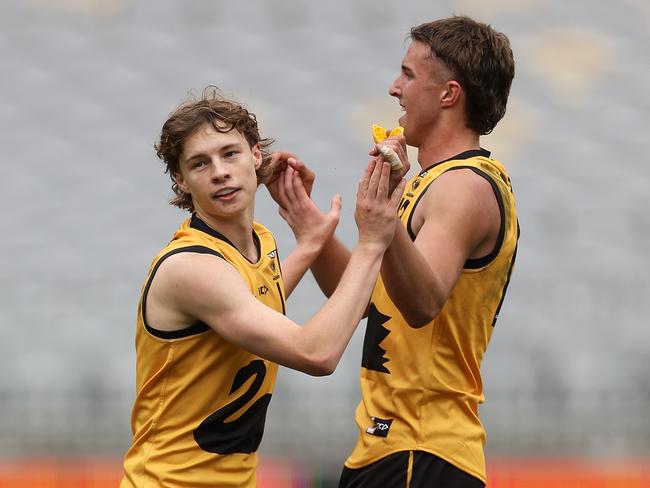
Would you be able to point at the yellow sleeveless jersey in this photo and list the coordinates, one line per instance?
(201, 401)
(421, 387)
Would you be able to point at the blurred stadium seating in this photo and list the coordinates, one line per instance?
(86, 85)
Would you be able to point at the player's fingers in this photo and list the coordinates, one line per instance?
(384, 181)
(375, 177)
(302, 169)
(335, 209)
(289, 184)
(374, 151)
(282, 193)
(277, 165)
(306, 175)
(299, 187)
(365, 179)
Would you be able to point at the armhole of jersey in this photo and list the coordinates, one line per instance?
(409, 227)
(193, 329)
(477, 263)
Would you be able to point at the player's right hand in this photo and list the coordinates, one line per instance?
(280, 161)
(376, 210)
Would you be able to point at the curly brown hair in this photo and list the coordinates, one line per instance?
(224, 115)
(480, 59)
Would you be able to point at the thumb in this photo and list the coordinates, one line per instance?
(335, 210)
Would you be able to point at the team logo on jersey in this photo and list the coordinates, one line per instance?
(380, 427)
(413, 187)
(274, 269)
(403, 205)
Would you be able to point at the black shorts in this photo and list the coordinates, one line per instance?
(427, 471)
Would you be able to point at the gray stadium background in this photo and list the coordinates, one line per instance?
(85, 87)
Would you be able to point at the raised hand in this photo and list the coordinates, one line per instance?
(376, 210)
(280, 161)
(309, 225)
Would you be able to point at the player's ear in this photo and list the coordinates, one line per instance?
(180, 181)
(257, 155)
(450, 93)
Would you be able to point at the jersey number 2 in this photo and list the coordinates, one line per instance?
(244, 434)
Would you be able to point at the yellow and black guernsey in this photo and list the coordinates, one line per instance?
(201, 401)
(421, 387)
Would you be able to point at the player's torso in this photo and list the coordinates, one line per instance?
(201, 401)
(421, 387)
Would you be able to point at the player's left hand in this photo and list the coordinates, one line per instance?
(310, 226)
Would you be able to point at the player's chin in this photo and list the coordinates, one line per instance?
(407, 132)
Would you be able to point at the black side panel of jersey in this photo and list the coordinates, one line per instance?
(373, 354)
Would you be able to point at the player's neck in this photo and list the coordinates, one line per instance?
(444, 144)
(239, 231)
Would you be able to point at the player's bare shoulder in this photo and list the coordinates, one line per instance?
(184, 268)
(463, 197)
(185, 283)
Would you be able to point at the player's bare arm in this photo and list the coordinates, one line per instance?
(457, 219)
(189, 287)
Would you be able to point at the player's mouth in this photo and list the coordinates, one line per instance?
(226, 194)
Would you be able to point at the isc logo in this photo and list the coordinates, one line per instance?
(380, 427)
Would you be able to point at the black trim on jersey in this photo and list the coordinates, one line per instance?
(277, 255)
(193, 329)
(474, 263)
(505, 286)
(284, 312)
(409, 229)
(198, 224)
(471, 153)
